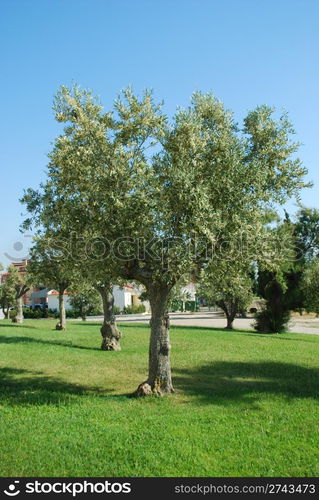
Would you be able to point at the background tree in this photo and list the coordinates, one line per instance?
(16, 285)
(230, 280)
(310, 286)
(286, 268)
(306, 232)
(229, 287)
(306, 243)
(48, 268)
(8, 295)
(302, 238)
(275, 316)
(85, 300)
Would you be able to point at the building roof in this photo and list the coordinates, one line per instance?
(55, 292)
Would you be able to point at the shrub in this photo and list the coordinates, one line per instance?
(39, 313)
(134, 309)
(72, 313)
(191, 305)
(53, 313)
(77, 313)
(96, 311)
(116, 310)
(187, 305)
(176, 305)
(32, 313)
(275, 315)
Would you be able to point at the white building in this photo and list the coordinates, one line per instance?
(49, 298)
(126, 296)
(53, 300)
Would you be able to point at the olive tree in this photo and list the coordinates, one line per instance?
(229, 287)
(164, 194)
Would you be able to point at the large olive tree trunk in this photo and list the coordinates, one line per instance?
(159, 376)
(109, 331)
(18, 318)
(61, 325)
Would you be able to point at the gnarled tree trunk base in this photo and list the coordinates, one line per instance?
(59, 326)
(228, 327)
(17, 320)
(110, 337)
(145, 389)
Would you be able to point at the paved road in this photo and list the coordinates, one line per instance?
(211, 319)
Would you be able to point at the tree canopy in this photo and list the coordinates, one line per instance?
(163, 196)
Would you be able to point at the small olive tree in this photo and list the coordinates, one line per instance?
(85, 299)
(229, 287)
(48, 268)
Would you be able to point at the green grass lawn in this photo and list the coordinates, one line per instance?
(245, 405)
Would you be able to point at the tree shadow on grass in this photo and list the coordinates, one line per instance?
(129, 324)
(24, 387)
(87, 323)
(28, 340)
(275, 336)
(146, 326)
(220, 329)
(125, 324)
(15, 325)
(226, 382)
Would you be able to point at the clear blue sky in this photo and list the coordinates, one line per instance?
(248, 52)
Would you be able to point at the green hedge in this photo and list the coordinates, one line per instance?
(134, 309)
(35, 313)
(189, 305)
